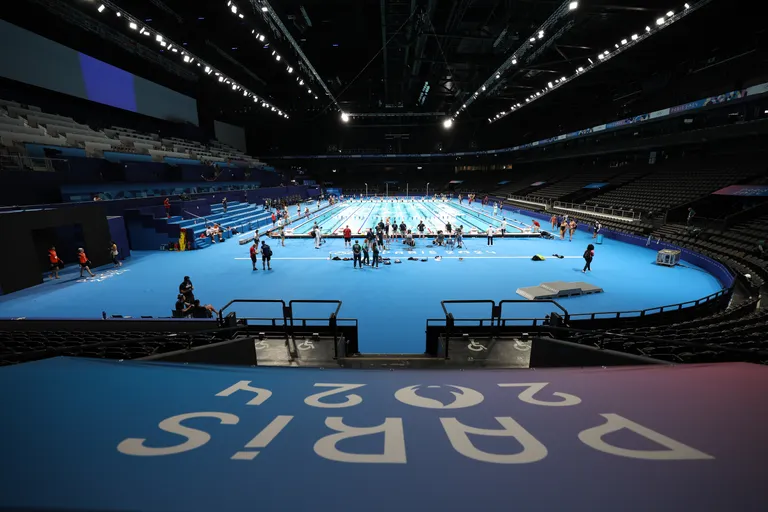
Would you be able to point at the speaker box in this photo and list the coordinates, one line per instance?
(538, 257)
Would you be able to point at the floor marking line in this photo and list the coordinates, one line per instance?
(432, 256)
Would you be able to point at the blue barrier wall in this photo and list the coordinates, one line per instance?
(38, 151)
(119, 235)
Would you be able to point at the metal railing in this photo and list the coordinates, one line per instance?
(541, 203)
(26, 163)
(619, 213)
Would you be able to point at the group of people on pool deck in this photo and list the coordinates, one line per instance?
(187, 306)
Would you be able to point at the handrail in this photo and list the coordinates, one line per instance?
(566, 315)
(253, 301)
(661, 309)
(615, 212)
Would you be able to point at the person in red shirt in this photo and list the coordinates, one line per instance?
(85, 263)
(536, 226)
(274, 219)
(254, 252)
(347, 237)
(56, 263)
(167, 205)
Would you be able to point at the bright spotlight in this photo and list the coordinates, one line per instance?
(601, 56)
(241, 16)
(159, 38)
(670, 14)
(647, 28)
(101, 8)
(301, 82)
(234, 9)
(344, 117)
(290, 70)
(277, 57)
(483, 87)
(207, 69)
(687, 6)
(514, 61)
(221, 79)
(133, 26)
(623, 42)
(660, 21)
(541, 34)
(118, 14)
(533, 39)
(634, 37)
(261, 38)
(573, 5)
(447, 123)
(264, 9)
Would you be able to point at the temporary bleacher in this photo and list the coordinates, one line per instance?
(573, 183)
(667, 188)
(242, 216)
(20, 124)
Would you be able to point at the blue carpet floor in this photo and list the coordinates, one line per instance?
(392, 303)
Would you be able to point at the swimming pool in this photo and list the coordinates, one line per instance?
(360, 215)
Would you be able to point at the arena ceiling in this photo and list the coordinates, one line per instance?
(375, 56)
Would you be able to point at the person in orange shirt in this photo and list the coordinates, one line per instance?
(167, 205)
(56, 263)
(85, 263)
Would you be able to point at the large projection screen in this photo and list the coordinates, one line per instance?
(35, 60)
(230, 135)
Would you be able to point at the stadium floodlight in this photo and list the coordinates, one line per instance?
(498, 76)
(159, 38)
(541, 34)
(580, 69)
(290, 69)
(447, 123)
(133, 26)
(234, 9)
(234, 87)
(277, 58)
(670, 14)
(186, 58)
(344, 117)
(261, 38)
(533, 39)
(573, 5)
(118, 14)
(660, 21)
(549, 85)
(264, 9)
(483, 87)
(301, 82)
(687, 6)
(241, 16)
(514, 61)
(623, 42)
(634, 37)
(207, 69)
(101, 8)
(221, 79)
(647, 28)
(601, 56)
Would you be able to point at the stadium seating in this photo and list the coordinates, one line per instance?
(20, 125)
(17, 346)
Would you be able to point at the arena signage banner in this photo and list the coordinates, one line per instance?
(658, 114)
(148, 436)
(744, 190)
